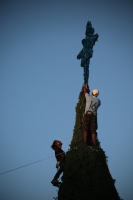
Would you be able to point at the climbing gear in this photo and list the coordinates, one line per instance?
(89, 113)
(95, 92)
(58, 165)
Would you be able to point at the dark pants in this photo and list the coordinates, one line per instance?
(89, 123)
(60, 170)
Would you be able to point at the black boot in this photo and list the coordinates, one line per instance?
(55, 182)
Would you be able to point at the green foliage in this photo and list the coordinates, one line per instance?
(77, 139)
(86, 175)
(87, 51)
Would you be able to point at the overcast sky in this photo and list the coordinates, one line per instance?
(40, 81)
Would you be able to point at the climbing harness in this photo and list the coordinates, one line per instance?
(58, 165)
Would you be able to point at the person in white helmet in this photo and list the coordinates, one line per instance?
(89, 121)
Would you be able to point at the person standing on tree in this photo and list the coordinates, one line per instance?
(89, 121)
(60, 157)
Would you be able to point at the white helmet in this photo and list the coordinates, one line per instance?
(95, 92)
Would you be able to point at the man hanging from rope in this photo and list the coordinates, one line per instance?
(60, 157)
(89, 121)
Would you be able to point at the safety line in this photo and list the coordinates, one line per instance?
(29, 164)
(40, 161)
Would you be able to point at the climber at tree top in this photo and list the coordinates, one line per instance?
(60, 157)
(89, 121)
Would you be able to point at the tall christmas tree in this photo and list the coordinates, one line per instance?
(86, 175)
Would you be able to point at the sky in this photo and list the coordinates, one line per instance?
(40, 81)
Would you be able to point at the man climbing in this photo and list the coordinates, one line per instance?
(89, 121)
(60, 157)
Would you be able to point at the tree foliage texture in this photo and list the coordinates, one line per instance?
(86, 175)
(86, 53)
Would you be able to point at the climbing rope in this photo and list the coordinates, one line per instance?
(41, 160)
(28, 164)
